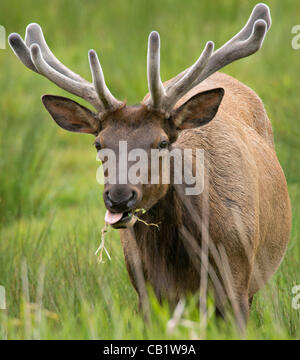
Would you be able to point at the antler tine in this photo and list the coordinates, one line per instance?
(85, 91)
(185, 83)
(34, 35)
(245, 43)
(260, 12)
(32, 57)
(107, 99)
(36, 55)
(248, 41)
(155, 85)
(21, 50)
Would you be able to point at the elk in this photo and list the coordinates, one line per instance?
(236, 231)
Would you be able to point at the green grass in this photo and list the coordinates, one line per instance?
(51, 212)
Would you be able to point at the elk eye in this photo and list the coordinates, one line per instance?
(97, 145)
(163, 144)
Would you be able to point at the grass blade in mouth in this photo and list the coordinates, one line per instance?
(99, 251)
(143, 211)
(102, 245)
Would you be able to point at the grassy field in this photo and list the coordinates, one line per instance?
(51, 211)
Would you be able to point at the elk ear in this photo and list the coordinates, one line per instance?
(70, 115)
(198, 110)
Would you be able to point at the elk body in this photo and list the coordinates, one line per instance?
(238, 228)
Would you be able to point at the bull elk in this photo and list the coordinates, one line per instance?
(235, 233)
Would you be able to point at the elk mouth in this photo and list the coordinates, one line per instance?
(120, 220)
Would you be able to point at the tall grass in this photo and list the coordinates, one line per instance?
(51, 211)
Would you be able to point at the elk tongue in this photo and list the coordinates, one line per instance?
(112, 218)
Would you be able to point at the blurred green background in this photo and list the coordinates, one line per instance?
(51, 211)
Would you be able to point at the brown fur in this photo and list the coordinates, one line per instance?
(248, 203)
(245, 197)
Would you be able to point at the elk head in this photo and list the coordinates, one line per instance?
(155, 123)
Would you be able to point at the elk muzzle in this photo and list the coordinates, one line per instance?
(120, 201)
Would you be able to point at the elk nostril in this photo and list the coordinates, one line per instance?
(132, 200)
(133, 194)
(120, 201)
(108, 199)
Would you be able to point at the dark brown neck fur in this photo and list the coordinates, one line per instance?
(167, 264)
